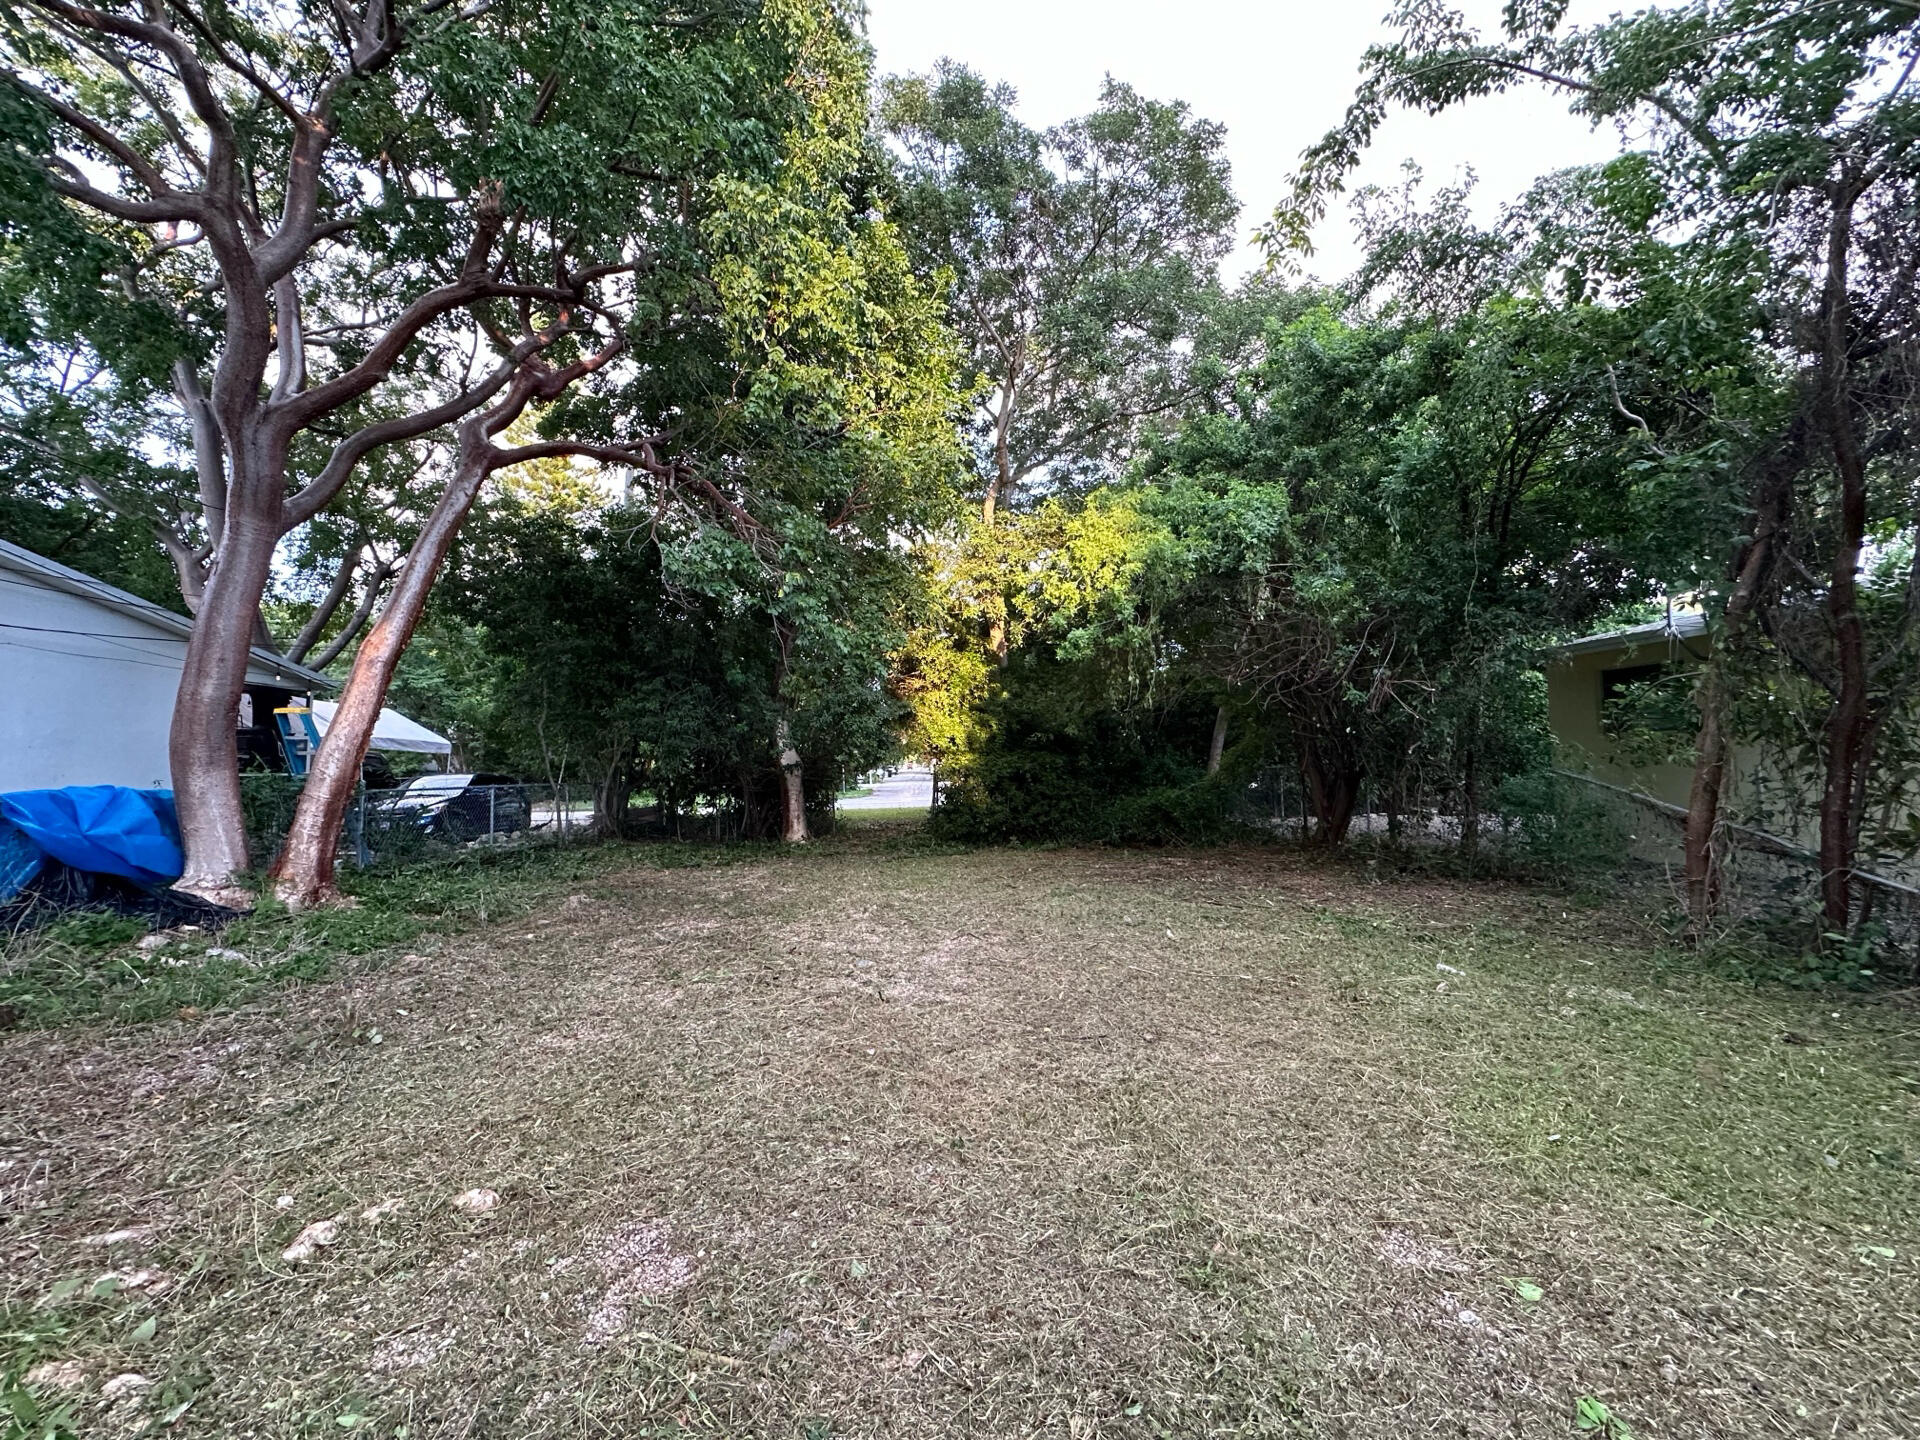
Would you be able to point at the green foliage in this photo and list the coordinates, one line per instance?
(1078, 260)
(1594, 1417)
(26, 1416)
(1085, 733)
(1559, 829)
(1755, 249)
(610, 670)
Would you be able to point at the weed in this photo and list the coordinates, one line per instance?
(1595, 1418)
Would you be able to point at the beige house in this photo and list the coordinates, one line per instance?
(1583, 675)
(1774, 811)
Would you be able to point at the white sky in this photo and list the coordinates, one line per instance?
(1277, 73)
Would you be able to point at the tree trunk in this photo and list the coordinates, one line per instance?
(793, 790)
(612, 799)
(202, 751)
(1001, 481)
(336, 595)
(356, 622)
(1333, 789)
(1470, 804)
(1702, 860)
(1219, 746)
(1772, 509)
(1850, 716)
(304, 874)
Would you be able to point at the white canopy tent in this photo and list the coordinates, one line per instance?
(392, 731)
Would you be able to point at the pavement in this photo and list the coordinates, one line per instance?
(906, 790)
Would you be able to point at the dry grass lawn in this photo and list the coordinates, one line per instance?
(879, 1142)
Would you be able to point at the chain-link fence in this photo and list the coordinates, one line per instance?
(1568, 823)
(1765, 879)
(428, 817)
(440, 814)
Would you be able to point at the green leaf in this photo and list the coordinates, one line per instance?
(1525, 1288)
(145, 1330)
(65, 1290)
(1593, 1415)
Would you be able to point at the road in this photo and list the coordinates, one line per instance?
(907, 790)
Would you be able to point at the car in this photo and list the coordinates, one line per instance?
(461, 807)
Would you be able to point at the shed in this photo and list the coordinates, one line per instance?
(90, 678)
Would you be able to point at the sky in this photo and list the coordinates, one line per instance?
(1277, 73)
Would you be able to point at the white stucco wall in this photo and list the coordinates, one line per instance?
(86, 708)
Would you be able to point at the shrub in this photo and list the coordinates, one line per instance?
(1559, 828)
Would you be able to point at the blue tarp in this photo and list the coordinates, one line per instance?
(20, 861)
(102, 829)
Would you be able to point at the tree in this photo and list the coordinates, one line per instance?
(1791, 133)
(336, 229)
(1079, 259)
(797, 369)
(614, 669)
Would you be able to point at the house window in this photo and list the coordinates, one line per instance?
(1647, 700)
(1617, 684)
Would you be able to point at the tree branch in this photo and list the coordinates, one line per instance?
(357, 621)
(323, 612)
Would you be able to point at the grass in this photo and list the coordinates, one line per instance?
(894, 818)
(880, 1140)
(88, 965)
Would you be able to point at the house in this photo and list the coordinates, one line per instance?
(1586, 676)
(88, 675)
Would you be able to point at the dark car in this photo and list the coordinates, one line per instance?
(462, 807)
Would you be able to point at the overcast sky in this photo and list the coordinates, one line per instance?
(1277, 73)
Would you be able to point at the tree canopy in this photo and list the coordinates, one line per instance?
(770, 420)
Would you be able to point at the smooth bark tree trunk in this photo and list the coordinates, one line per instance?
(356, 622)
(330, 603)
(304, 875)
(202, 744)
(1001, 481)
(1219, 746)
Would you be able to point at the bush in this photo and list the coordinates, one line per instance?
(1560, 829)
(1105, 783)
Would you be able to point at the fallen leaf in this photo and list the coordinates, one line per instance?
(310, 1240)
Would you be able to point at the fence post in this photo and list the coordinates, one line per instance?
(362, 853)
(493, 794)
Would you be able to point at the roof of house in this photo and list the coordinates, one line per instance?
(1680, 625)
(267, 668)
